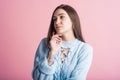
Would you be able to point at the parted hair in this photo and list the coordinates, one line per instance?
(75, 22)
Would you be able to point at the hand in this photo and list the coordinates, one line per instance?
(55, 42)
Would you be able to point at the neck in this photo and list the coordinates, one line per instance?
(68, 37)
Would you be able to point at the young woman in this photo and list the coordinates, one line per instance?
(63, 55)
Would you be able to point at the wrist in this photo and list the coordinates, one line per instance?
(50, 58)
(52, 53)
(50, 61)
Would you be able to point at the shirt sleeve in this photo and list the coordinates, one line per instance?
(41, 70)
(83, 63)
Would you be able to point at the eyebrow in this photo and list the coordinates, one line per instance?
(60, 14)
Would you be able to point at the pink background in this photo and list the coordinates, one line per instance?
(23, 23)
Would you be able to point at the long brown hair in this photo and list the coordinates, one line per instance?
(75, 21)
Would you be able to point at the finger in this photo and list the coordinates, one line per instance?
(57, 38)
(60, 35)
(57, 35)
(58, 41)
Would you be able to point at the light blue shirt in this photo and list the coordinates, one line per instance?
(75, 66)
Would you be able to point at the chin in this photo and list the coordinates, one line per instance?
(58, 32)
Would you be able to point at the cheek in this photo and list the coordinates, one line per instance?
(69, 24)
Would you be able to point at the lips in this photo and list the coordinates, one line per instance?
(58, 27)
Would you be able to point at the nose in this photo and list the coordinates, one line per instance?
(57, 21)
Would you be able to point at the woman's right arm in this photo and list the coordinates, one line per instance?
(45, 64)
(41, 70)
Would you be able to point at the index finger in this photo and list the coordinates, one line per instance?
(57, 35)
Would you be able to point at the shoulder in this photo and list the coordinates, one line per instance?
(84, 45)
(85, 48)
(43, 43)
(43, 40)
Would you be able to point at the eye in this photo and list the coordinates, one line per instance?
(62, 17)
(54, 18)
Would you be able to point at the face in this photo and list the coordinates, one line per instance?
(62, 22)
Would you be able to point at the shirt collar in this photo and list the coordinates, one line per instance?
(70, 44)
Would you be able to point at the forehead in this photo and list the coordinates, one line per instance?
(60, 12)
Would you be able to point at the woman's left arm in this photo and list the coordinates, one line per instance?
(83, 64)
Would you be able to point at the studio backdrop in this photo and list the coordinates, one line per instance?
(23, 23)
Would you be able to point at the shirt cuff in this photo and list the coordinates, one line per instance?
(48, 69)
